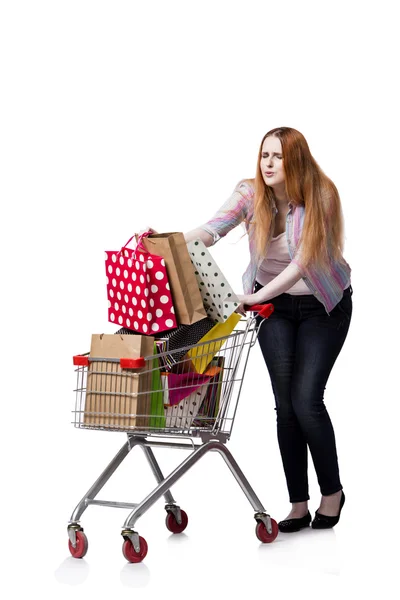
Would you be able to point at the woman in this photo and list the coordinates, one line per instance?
(293, 218)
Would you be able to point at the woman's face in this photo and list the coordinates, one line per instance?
(271, 163)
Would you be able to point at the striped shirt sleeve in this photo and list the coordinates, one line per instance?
(233, 212)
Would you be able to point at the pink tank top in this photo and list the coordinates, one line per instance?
(275, 262)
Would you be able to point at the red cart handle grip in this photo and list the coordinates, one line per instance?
(126, 363)
(132, 363)
(81, 361)
(264, 310)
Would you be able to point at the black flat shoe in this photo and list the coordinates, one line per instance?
(324, 522)
(292, 525)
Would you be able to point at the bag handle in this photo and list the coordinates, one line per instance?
(139, 244)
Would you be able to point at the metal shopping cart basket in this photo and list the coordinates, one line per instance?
(192, 395)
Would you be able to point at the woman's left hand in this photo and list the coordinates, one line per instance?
(248, 299)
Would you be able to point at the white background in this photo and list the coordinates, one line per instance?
(118, 115)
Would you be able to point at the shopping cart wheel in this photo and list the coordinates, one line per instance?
(81, 546)
(262, 533)
(173, 525)
(130, 553)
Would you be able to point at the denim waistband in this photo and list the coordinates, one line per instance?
(257, 286)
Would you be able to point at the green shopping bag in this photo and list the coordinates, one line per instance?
(157, 419)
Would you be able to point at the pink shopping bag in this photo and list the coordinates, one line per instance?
(177, 387)
(139, 295)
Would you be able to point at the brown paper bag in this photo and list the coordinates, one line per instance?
(114, 396)
(186, 296)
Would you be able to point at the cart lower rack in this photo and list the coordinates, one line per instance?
(184, 398)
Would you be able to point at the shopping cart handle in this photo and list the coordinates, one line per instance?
(82, 360)
(264, 310)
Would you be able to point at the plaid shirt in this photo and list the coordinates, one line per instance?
(326, 287)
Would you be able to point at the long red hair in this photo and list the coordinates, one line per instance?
(306, 184)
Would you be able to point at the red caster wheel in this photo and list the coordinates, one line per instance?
(130, 553)
(262, 533)
(173, 525)
(81, 546)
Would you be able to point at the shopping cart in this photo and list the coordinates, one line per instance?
(201, 421)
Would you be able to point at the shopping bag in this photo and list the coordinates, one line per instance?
(202, 354)
(139, 295)
(176, 359)
(181, 386)
(157, 419)
(170, 344)
(209, 407)
(186, 296)
(219, 299)
(183, 366)
(181, 415)
(115, 397)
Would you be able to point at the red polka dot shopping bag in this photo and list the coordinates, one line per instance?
(139, 295)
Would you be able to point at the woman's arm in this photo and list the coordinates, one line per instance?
(201, 234)
(229, 216)
(282, 282)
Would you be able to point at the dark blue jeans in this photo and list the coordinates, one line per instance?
(300, 343)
